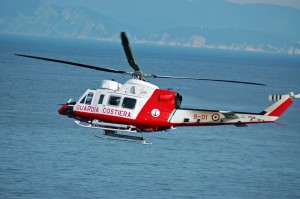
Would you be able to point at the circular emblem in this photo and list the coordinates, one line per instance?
(155, 112)
(215, 117)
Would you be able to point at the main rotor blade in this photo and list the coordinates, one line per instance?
(128, 52)
(76, 64)
(205, 79)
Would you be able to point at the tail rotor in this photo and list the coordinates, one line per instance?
(293, 95)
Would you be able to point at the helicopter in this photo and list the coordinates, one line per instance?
(138, 106)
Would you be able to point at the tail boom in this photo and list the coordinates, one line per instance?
(200, 117)
(197, 117)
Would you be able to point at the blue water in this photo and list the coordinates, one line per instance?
(45, 155)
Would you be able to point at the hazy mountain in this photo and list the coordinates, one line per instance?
(66, 22)
(227, 39)
(210, 14)
(266, 28)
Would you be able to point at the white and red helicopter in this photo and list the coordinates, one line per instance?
(138, 106)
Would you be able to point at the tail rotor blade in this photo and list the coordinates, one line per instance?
(128, 52)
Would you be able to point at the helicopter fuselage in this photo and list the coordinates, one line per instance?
(141, 106)
(137, 103)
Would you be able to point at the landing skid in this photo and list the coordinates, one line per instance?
(111, 131)
(111, 135)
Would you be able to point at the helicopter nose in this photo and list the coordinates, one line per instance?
(63, 109)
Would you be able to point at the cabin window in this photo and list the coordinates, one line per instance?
(114, 100)
(128, 103)
(101, 99)
(89, 99)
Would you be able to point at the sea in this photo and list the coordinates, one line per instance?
(46, 155)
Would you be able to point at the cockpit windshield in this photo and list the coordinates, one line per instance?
(87, 99)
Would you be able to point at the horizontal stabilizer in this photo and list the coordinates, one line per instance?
(229, 114)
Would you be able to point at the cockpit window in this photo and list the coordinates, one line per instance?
(114, 100)
(128, 103)
(89, 99)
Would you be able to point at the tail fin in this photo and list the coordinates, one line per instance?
(282, 104)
